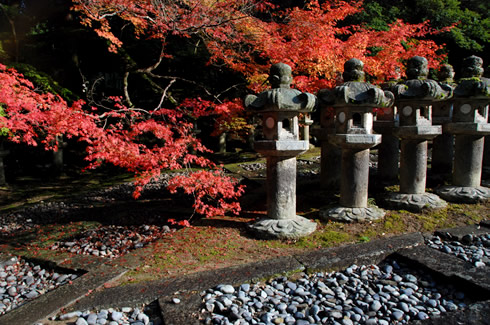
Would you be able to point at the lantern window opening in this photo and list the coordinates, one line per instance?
(357, 120)
(482, 113)
(286, 124)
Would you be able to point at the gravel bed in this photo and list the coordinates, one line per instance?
(41, 213)
(112, 241)
(472, 249)
(49, 212)
(366, 294)
(125, 191)
(146, 315)
(253, 167)
(21, 281)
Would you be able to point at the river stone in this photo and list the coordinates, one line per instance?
(227, 289)
(81, 321)
(116, 316)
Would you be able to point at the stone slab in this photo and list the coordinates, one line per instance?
(281, 148)
(468, 128)
(475, 314)
(451, 267)
(418, 131)
(132, 295)
(458, 233)
(355, 141)
(338, 258)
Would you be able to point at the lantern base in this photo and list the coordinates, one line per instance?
(414, 202)
(295, 227)
(463, 194)
(344, 214)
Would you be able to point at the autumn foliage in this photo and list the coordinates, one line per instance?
(245, 36)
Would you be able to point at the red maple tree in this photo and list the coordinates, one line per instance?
(246, 36)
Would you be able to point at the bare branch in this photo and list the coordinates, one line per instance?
(126, 92)
(164, 95)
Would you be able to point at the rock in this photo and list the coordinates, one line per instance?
(12, 291)
(375, 305)
(422, 315)
(176, 301)
(116, 316)
(144, 318)
(92, 319)
(81, 321)
(245, 287)
(70, 315)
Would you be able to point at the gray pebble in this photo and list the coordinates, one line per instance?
(81, 321)
(227, 289)
(116, 316)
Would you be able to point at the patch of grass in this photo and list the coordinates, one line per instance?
(393, 188)
(471, 211)
(394, 222)
(312, 153)
(366, 235)
(364, 239)
(432, 220)
(328, 235)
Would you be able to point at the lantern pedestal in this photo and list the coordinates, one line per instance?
(354, 179)
(282, 221)
(413, 171)
(468, 161)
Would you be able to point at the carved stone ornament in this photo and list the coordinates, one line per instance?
(344, 214)
(472, 84)
(414, 202)
(417, 86)
(284, 228)
(464, 194)
(355, 91)
(281, 97)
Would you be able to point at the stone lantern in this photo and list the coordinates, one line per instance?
(354, 101)
(469, 125)
(442, 113)
(414, 99)
(280, 108)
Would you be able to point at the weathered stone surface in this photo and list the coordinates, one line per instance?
(420, 132)
(450, 267)
(355, 178)
(463, 194)
(281, 148)
(468, 160)
(344, 214)
(284, 228)
(413, 202)
(413, 166)
(353, 102)
(355, 141)
(280, 108)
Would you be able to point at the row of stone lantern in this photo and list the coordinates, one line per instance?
(408, 109)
